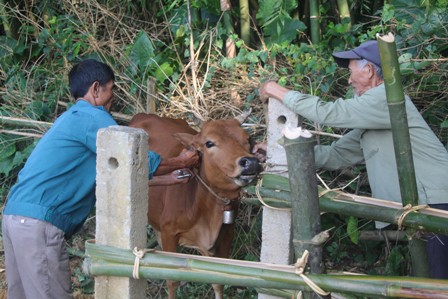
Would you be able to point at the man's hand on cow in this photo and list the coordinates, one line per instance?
(178, 176)
(189, 158)
(259, 150)
(183, 175)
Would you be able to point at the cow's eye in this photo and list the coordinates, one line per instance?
(209, 144)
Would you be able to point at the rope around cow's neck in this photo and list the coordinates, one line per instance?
(224, 200)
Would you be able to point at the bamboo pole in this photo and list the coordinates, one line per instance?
(344, 12)
(151, 100)
(275, 192)
(42, 125)
(19, 133)
(19, 122)
(398, 118)
(278, 293)
(14, 121)
(304, 198)
(304, 201)
(383, 235)
(110, 261)
(116, 115)
(193, 60)
(277, 183)
(5, 19)
(314, 21)
(245, 21)
(402, 143)
(227, 19)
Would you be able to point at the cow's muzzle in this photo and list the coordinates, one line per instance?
(250, 169)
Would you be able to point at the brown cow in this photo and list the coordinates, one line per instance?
(191, 214)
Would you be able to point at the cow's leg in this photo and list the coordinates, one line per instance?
(222, 249)
(172, 287)
(223, 245)
(218, 288)
(169, 244)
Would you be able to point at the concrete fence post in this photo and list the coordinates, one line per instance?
(276, 245)
(122, 202)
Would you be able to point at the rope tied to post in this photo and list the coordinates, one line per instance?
(139, 254)
(260, 198)
(300, 269)
(406, 211)
(328, 189)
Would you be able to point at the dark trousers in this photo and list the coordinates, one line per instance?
(437, 250)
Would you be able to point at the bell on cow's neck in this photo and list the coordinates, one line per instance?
(228, 217)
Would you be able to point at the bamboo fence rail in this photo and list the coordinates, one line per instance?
(109, 261)
(275, 192)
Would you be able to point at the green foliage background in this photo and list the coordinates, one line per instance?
(41, 40)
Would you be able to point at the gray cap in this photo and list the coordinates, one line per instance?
(367, 50)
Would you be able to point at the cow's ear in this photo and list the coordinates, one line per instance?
(186, 139)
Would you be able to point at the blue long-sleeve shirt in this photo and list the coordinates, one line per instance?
(57, 183)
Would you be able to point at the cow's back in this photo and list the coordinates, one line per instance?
(160, 131)
(161, 140)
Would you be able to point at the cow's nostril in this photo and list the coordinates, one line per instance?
(243, 162)
(249, 165)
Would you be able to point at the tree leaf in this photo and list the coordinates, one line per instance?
(142, 50)
(352, 229)
(5, 167)
(163, 72)
(283, 30)
(7, 151)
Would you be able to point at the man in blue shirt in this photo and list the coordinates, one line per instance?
(55, 191)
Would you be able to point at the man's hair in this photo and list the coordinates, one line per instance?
(85, 73)
(363, 62)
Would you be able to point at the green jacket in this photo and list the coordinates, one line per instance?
(370, 142)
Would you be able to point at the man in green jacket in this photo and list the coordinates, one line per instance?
(370, 140)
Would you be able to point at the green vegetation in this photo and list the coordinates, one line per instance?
(183, 45)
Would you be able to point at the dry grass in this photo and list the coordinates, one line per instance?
(225, 97)
(189, 96)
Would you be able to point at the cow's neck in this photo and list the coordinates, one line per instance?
(223, 197)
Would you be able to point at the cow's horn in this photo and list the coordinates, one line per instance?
(243, 116)
(197, 120)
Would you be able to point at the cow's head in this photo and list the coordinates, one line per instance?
(227, 163)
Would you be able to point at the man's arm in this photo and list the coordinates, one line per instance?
(186, 159)
(341, 153)
(272, 89)
(175, 177)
